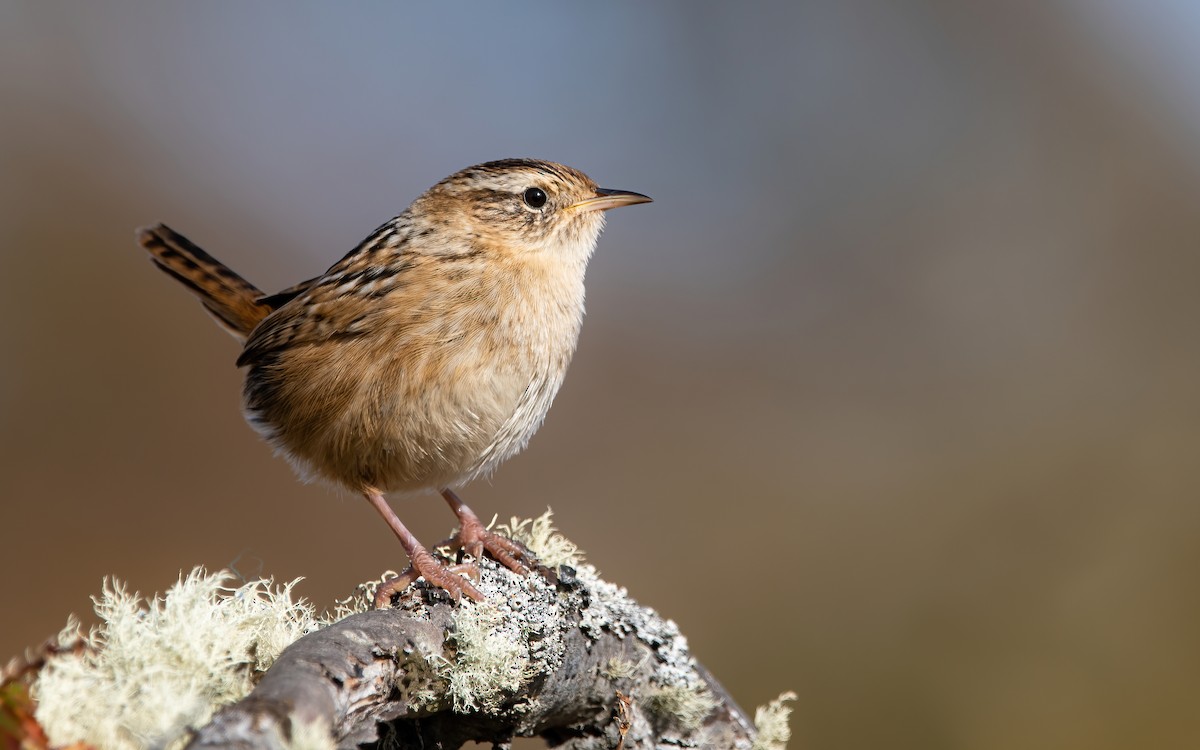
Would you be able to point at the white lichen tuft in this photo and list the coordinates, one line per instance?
(422, 684)
(680, 705)
(540, 536)
(153, 668)
(311, 735)
(617, 668)
(490, 662)
(362, 600)
(771, 721)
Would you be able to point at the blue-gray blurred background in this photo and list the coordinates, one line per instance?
(890, 398)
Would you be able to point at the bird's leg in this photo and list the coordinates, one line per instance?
(473, 538)
(421, 562)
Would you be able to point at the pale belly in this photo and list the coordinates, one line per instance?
(401, 423)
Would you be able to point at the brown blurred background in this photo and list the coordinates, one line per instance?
(890, 399)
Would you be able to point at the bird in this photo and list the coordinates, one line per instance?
(426, 356)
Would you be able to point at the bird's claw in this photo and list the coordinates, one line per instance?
(446, 577)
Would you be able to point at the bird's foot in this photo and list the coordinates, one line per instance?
(424, 565)
(473, 538)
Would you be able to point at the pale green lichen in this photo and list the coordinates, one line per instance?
(617, 668)
(539, 535)
(489, 662)
(771, 721)
(153, 668)
(310, 735)
(362, 600)
(423, 682)
(680, 705)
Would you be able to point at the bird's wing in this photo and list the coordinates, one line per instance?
(284, 296)
(344, 301)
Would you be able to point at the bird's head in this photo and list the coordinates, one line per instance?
(522, 206)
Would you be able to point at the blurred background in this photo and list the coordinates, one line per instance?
(890, 398)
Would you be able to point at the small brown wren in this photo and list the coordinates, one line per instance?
(427, 355)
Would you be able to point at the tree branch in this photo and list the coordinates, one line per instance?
(578, 664)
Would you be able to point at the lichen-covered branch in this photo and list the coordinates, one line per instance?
(577, 663)
(249, 665)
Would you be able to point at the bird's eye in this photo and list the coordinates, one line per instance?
(535, 197)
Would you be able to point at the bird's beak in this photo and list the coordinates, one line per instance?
(606, 199)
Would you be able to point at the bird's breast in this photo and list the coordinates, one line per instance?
(530, 348)
(442, 389)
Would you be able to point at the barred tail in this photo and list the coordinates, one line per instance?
(233, 301)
